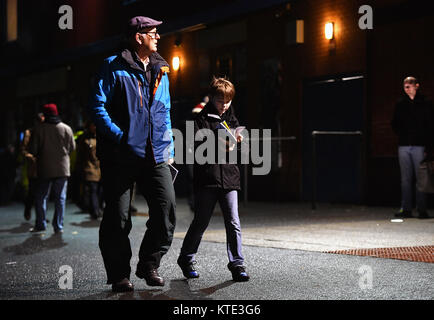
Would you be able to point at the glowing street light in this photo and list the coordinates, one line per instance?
(329, 30)
(175, 63)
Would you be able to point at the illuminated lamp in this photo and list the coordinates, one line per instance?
(329, 30)
(175, 63)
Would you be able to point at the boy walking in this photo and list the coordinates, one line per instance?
(218, 182)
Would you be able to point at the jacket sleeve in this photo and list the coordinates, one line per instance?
(101, 95)
(71, 142)
(168, 120)
(34, 142)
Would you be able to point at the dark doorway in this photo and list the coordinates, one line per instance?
(335, 104)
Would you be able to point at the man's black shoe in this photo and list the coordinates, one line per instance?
(423, 215)
(403, 214)
(239, 274)
(34, 230)
(188, 269)
(151, 277)
(123, 286)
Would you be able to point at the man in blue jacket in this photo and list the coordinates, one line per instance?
(130, 106)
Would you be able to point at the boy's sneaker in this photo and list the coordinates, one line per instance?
(188, 269)
(239, 274)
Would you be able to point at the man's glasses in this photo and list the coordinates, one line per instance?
(153, 35)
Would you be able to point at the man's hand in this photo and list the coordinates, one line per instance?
(171, 161)
(30, 157)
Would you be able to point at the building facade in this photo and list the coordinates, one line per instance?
(288, 77)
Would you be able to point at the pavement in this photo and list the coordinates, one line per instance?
(284, 245)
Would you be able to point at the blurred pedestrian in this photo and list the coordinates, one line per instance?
(198, 108)
(413, 123)
(31, 167)
(75, 181)
(130, 106)
(90, 172)
(216, 183)
(51, 144)
(190, 149)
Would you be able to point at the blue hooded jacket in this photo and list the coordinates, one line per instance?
(130, 111)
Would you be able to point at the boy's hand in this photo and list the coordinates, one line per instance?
(228, 145)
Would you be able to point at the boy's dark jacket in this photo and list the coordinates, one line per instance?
(413, 121)
(224, 176)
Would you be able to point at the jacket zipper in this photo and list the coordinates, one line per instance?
(150, 128)
(140, 93)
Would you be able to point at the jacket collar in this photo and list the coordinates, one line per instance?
(418, 97)
(211, 112)
(155, 60)
(52, 119)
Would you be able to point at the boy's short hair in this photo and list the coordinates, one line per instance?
(411, 80)
(222, 87)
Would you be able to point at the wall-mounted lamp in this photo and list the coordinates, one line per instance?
(329, 30)
(175, 63)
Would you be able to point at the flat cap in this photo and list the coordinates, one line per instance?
(138, 23)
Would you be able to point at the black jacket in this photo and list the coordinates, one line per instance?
(413, 121)
(224, 176)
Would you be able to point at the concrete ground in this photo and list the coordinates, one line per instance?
(329, 228)
(284, 246)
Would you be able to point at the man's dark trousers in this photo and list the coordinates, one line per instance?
(154, 182)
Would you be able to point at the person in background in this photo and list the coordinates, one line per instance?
(413, 124)
(31, 167)
(89, 166)
(190, 149)
(52, 142)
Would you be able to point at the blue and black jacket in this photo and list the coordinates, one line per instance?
(131, 109)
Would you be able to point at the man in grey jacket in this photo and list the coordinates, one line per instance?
(52, 142)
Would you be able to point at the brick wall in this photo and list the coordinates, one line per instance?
(350, 52)
(398, 46)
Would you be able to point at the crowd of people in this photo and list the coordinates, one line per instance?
(46, 168)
